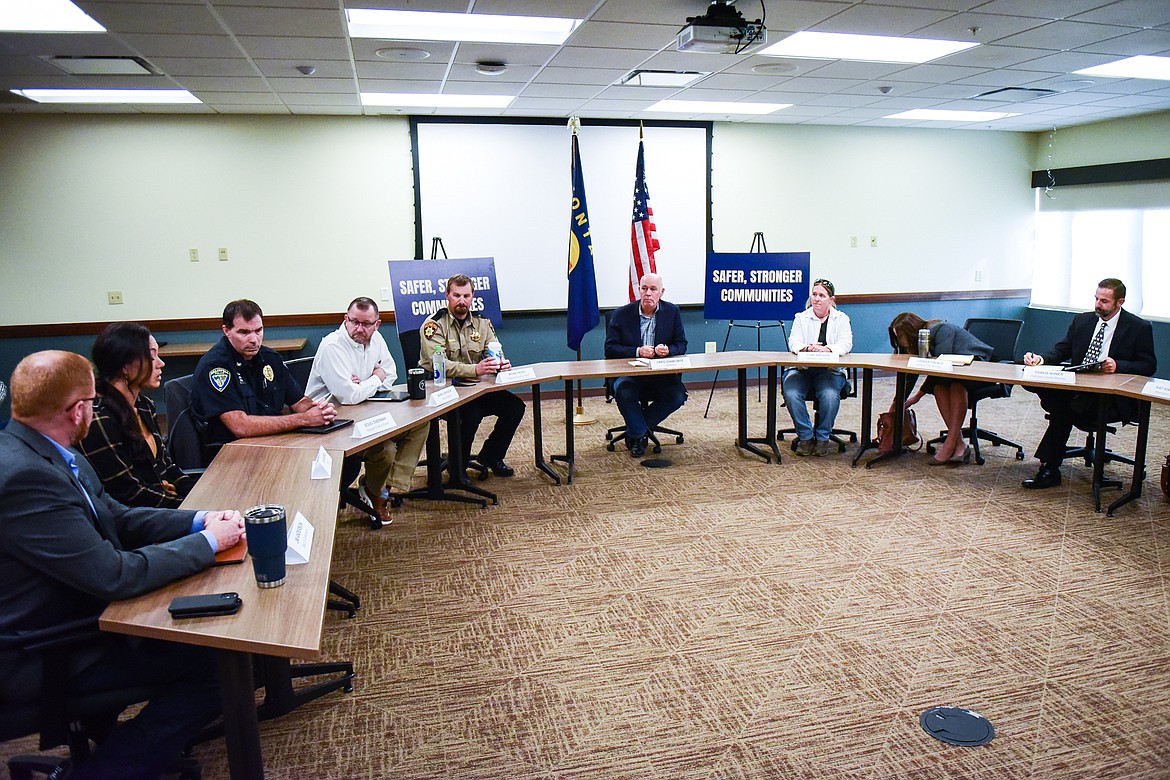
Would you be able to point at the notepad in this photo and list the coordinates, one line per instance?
(233, 554)
(958, 360)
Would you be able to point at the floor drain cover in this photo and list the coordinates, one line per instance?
(957, 726)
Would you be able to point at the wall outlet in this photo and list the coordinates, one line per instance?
(223, 253)
(710, 347)
(385, 293)
(114, 297)
(853, 242)
(193, 254)
(979, 276)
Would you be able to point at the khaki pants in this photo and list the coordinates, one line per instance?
(393, 462)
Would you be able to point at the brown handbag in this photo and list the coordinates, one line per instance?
(885, 431)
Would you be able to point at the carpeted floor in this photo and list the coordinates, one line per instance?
(727, 618)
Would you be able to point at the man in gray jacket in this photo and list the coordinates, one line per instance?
(67, 550)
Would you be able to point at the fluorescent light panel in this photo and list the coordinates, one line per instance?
(438, 26)
(1141, 67)
(118, 96)
(45, 16)
(941, 115)
(415, 100)
(661, 78)
(714, 107)
(863, 48)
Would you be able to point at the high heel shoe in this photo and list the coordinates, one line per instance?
(964, 458)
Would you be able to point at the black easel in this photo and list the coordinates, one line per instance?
(758, 245)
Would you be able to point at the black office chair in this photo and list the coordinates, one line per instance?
(57, 717)
(1001, 335)
(849, 390)
(186, 443)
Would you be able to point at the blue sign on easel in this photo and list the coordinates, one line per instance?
(756, 285)
(420, 288)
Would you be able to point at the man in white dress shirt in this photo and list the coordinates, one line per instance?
(352, 364)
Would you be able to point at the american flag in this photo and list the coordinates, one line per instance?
(643, 242)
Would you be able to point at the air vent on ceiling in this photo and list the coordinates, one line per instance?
(102, 66)
(1014, 94)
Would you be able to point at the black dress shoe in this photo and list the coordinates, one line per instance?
(498, 467)
(638, 446)
(1046, 477)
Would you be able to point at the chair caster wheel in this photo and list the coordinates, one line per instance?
(396, 502)
(678, 439)
(609, 435)
(657, 448)
(840, 448)
(610, 447)
(1019, 455)
(375, 524)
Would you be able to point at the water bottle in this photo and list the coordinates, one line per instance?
(440, 366)
(924, 343)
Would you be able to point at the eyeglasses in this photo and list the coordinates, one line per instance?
(827, 285)
(88, 399)
(360, 324)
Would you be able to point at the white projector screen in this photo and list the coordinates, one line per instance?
(503, 190)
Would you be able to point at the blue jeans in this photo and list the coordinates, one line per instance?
(665, 394)
(822, 383)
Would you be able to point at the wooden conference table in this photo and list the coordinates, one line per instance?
(287, 621)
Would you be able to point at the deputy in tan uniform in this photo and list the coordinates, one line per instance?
(464, 337)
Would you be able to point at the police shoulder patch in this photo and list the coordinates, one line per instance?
(219, 378)
(430, 328)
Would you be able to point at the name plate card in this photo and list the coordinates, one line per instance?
(300, 541)
(516, 375)
(368, 427)
(444, 396)
(930, 364)
(1050, 374)
(680, 361)
(1157, 387)
(818, 357)
(322, 465)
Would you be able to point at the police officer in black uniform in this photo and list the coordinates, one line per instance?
(241, 388)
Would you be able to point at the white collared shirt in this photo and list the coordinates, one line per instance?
(340, 358)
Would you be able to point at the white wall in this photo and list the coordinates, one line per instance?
(943, 204)
(309, 209)
(1144, 137)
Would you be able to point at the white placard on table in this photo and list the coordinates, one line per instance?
(1050, 374)
(930, 364)
(818, 357)
(300, 541)
(322, 466)
(679, 361)
(378, 424)
(444, 396)
(516, 375)
(1157, 387)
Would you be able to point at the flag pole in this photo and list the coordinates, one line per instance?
(579, 417)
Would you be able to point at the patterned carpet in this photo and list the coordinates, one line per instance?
(727, 618)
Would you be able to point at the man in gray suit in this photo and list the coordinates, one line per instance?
(67, 549)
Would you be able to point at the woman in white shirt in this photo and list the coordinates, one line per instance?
(819, 328)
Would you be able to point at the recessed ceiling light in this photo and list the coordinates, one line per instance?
(660, 78)
(941, 115)
(44, 16)
(101, 66)
(120, 96)
(402, 53)
(439, 26)
(863, 48)
(419, 100)
(714, 107)
(1141, 67)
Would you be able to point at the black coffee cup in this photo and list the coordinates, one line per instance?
(267, 540)
(416, 386)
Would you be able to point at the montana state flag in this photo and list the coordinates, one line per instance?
(583, 314)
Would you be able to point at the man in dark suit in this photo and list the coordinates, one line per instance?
(1121, 342)
(647, 328)
(67, 550)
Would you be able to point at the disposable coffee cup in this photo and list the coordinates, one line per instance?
(267, 533)
(416, 386)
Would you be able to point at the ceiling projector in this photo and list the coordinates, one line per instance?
(722, 30)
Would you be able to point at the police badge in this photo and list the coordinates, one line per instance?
(269, 374)
(219, 378)
(474, 336)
